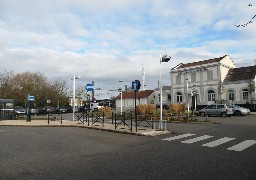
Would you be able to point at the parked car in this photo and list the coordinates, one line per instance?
(47, 109)
(84, 108)
(238, 111)
(33, 111)
(69, 109)
(62, 109)
(18, 110)
(216, 109)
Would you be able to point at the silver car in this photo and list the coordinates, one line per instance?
(216, 110)
(238, 111)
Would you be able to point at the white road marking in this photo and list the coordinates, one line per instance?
(243, 145)
(178, 137)
(218, 142)
(200, 138)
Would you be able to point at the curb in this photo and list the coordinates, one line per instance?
(147, 133)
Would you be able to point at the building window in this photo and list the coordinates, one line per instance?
(209, 75)
(179, 97)
(178, 79)
(211, 95)
(231, 95)
(193, 77)
(169, 97)
(159, 98)
(245, 94)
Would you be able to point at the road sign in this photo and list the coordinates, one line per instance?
(136, 85)
(31, 98)
(89, 87)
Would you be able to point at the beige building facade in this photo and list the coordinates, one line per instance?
(212, 81)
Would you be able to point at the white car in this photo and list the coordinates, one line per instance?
(216, 109)
(238, 110)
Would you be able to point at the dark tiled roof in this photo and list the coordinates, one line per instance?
(139, 94)
(242, 73)
(198, 63)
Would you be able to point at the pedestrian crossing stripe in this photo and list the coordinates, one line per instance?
(197, 139)
(218, 142)
(243, 145)
(178, 137)
(238, 147)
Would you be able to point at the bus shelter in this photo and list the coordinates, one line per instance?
(6, 109)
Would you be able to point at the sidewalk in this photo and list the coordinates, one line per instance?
(141, 130)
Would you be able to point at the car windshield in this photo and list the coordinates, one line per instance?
(18, 107)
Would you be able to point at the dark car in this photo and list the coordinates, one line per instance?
(69, 109)
(84, 108)
(62, 109)
(47, 109)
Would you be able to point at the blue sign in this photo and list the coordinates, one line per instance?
(89, 87)
(31, 98)
(136, 85)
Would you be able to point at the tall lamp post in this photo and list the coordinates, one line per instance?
(121, 92)
(187, 98)
(74, 94)
(163, 58)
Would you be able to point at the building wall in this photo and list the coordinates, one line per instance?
(165, 93)
(238, 88)
(128, 104)
(208, 77)
(201, 83)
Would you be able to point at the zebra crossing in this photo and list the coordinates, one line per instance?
(214, 143)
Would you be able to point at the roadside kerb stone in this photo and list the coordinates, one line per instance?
(145, 131)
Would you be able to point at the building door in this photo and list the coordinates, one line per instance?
(211, 97)
(194, 102)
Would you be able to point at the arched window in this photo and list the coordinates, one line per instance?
(231, 95)
(169, 97)
(211, 95)
(179, 97)
(245, 94)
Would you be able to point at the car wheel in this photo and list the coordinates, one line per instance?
(237, 113)
(223, 115)
(202, 114)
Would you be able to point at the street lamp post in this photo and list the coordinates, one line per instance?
(74, 93)
(121, 92)
(163, 58)
(187, 98)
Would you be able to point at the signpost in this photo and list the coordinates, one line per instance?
(29, 99)
(135, 87)
(89, 87)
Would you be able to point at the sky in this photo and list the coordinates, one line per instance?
(109, 41)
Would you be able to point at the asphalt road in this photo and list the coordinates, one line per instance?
(80, 153)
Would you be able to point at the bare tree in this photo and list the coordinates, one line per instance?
(5, 78)
(19, 86)
(59, 90)
(251, 89)
(221, 91)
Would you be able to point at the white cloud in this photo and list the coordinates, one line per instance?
(106, 42)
